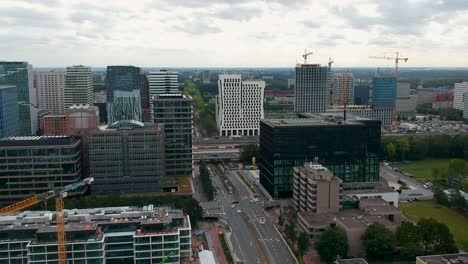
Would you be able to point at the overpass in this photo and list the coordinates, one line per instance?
(216, 154)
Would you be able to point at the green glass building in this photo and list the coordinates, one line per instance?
(125, 106)
(350, 149)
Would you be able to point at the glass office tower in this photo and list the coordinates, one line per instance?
(384, 92)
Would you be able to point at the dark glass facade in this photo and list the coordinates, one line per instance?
(384, 92)
(350, 150)
(8, 111)
(361, 94)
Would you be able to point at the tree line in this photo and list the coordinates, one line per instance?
(206, 111)
(426, 237)
(206, 182)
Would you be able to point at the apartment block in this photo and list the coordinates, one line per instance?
(312, 88)
(163, 82)
(458, 91)
(50, 87)
(78, 86)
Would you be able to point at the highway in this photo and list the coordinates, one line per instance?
(253, 242)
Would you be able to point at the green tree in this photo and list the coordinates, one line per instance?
(456, 168)
(303, 243)
(403, 146)
(408, 239)
(291, 231)
(206, 182)
(378, 241)
(281, 218)
(435, 237)
(465, 185)
(457, 202)
(391, 151)
(248, 152)
(332, 243)
(440, 196)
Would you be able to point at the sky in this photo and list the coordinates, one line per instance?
(234, 33)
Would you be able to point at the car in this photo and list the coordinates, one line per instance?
(239, 211)
(233, 206)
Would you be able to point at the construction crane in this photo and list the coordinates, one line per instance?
(396, 58)
(59, 194)
(305, 55)
(330, 62)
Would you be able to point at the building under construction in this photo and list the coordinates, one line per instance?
(99, 235)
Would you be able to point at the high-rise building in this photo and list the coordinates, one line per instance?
(459, 90)
(206, 79)
(145, 99)
(78, 86)
(127, 157)
(403, 90)
(312, 89)
(316, 189)
(99, 235)
(9, 115)
(40, 164)
(465, 107)
(384, 92)
(405, 104)
(125, 105)
(50, 87)
(361, 94)
(20, 75)
(163, 82)
(239, 105)
(343, 89)
(349, 148)
(122, 78)
(175, 113)
(384, 115)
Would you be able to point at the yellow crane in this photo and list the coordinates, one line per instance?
(59, 194)
(397, 58)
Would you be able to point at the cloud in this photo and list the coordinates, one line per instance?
(30, 17)
(311, 24)
(237, 13)
(197, 28)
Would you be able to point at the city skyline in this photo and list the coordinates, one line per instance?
(241, 33)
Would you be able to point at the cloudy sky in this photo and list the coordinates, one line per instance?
(219, 33)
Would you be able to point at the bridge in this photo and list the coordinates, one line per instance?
(216, 154)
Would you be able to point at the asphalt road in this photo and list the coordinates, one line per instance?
(253, 242)
(416, 188)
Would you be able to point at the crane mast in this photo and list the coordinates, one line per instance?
(305, 55)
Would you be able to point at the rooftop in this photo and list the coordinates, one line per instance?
(352, 261)
(353, 188)
(26, 141)
(445, 259)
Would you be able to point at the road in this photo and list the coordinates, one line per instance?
(253, 242)
(416, 189)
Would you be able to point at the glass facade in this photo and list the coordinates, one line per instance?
(384, 92)
(350, 151)
(175, 113)
(125, 106)
(361, 94)
(9, 115)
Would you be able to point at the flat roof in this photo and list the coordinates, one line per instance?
(26, 141)
(461, 258)
(352, 188)
(352, 261)
(317, 119)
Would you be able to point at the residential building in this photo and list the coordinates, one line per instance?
(163, 82)
(55, 125)
(78, 85)
(50, 87)
(361, 94)
(126, 105)
(31, 165)
(9, 114)
(108, 235)
(349, 148)
(458, 91)
(127, 157)
(206, 78)
(239, 105)
(175, 112)
(465, 107)
(20, 74)
(316, 189)
(343, 89)
(384, 92)
(461, 258)
(356, 191)
(312, 89)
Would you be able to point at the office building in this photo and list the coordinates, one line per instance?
(9, 114)
(122, 78)
(312, 89)
(50, 87)
(163, 82)
(384, 92)
(145, 99)
(32, 165)
(78, 86)
(126, 105)
(459, 90)
(316, 189)
(349, 148)
(174, 111)
(384, 115)
(403, 90)
(343, 89)
(127, 157)
(206, 78)
(406, 107)
(239, 105)
(356, 191)
(443, 100)
(20, 75)
(361, 94)
(459, 258)
(465, 107)
(110, 235)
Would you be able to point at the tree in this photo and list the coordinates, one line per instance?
(408, 239)
(435, 237)
(391, 151)
(303, 243)
(291, 231)
(440, 196)
(403, 146)
(457, 202)
(248, 152)
(456, 167)
(332, 243)
(378, 241)
(281, 218)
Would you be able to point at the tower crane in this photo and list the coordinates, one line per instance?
(58, 194)
(397, 58)
(305, 55)
(330, 62)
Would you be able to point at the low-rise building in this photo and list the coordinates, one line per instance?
(365, 190)
(461, 258)
(99, 235)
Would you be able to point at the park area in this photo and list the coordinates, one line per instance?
(431, 209)
(422, 170)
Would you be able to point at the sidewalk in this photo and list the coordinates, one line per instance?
(211, 232)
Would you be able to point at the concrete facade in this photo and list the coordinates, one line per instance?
(50, 87)
(343, 89)
(163, 82)
(78, 85)
(459, 90)
(312, 88)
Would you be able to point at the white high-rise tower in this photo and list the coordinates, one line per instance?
(78, 85)
(50, 87)
(163, 82)
(312, 89)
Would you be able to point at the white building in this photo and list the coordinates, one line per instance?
(206, 257)
(385, 115)
(78, 85)
(403, 90)
(163, 82)
(239, 105)
(465, 109)
(312, 90)
(460, 89)
(343, 88)
(50, 87)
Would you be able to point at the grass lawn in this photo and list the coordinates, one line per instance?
(431, 209)
(422, 169)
